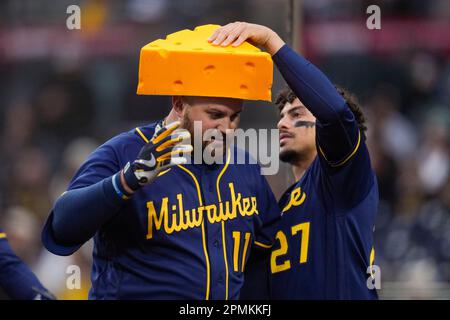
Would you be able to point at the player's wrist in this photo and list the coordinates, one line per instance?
(124, 184)
(128, 179)
(273, 42)
(119, 189)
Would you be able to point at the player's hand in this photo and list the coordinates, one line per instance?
(167, 148)
(237, 32)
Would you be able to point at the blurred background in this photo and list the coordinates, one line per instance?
(63, 92)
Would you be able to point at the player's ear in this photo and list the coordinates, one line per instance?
(178, 105)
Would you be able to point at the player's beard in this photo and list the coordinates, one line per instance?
(188, 124)
(292, 156)
(289, 156)
(215, 147)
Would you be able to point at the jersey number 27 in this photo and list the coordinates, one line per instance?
(303, 230)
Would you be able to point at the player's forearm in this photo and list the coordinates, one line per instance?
(79, 213)
(312, 87)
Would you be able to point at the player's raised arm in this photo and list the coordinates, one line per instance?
(337, 129)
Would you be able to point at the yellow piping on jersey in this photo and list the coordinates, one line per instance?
(223, 223)
(163, 172)
(197, 185)
(2, 235)
(340, 163)
(221, 174)
(372, 260)
(265, 246)
(372, 256)
(205, 250)
(142, 135)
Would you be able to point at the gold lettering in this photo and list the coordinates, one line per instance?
(296, 199)
(246, 206)
(236, 201)
(212, 213)
(229, 209)
(181, 219)
(197, 221)
(254, 207)
(151, 215)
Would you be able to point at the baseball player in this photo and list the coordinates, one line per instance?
(16, 279)
(163, 228)
(323, 247)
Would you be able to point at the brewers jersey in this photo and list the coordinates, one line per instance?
(187, 235)
(323, 248)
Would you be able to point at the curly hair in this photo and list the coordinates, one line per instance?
(288, 96)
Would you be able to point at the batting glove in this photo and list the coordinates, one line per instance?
(166, 149)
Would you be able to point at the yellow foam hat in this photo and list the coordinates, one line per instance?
(185, 63)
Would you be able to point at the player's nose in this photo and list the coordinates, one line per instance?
(226, 124)
(283, 123)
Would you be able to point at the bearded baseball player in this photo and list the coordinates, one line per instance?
(164, 228)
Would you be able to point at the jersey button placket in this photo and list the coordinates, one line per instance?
(214, 234)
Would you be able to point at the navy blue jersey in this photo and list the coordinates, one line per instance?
(187, 235)
(16, 279)
(324, 246)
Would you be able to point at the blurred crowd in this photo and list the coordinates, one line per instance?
(56, 109)
(410, 152)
